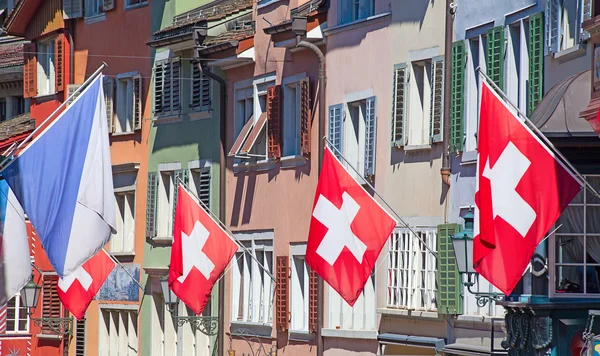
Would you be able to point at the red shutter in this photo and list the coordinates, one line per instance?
(29, 71)
(281, 294)
(59, 62)
(305, 117)
(312, 301)
(274, 121)
(50, 302)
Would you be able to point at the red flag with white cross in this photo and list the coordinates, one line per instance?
(522, 188)
(200, 253)
(348, 229)
(77, 290)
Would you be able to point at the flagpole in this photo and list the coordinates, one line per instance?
(380, 197)
(3, 163)
(218, 221)
(123, 268)
(540, 135)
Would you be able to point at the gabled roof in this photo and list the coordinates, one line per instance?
(17, 21)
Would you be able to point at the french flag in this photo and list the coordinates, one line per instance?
(63, 180)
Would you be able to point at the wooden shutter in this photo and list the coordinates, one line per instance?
(59, 62)
(159, 86)
(282, 295)
(80, 337)
(335, 128)
(370, 136)
(50, 301)
(457, 116)
(204, 186)
(274, 121)
(437, 99)
(449, 280)
(200, 89)
(72, 9)
(151, 204)
(71, 88)
(175, 86)
(137, 102)
(313, 298)
(182, 174)
(29, 71)
(536, 61)
(399, 104)
(305, 117)
(109, 93)
(495, 55)
(108, 5)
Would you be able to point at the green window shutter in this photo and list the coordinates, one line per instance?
(151, 204)
(495, 55)
(457, 129)
(449, 280)
(399, 104)
(536, 61)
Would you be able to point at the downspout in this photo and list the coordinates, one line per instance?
(322, 115)
(445, 170)
(222, 208)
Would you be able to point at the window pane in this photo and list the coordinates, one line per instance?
(590, 197)
(568, 279)
(592, 219)
(571, 220)
(569, 249)
(592, 281)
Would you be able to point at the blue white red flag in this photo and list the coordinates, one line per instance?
(63, 180)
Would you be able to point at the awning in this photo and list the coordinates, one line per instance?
(408, 340)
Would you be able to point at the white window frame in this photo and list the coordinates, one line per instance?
(555, 7)
(350, 142)
(299, 289)
(361, 317)
(108, 341)
(292, 110)
(165, 200)
(98, 5)
(123, 241)
(419, 113)
(517, 69)
(129, 5)
(46, 68)
(124, 104)
(255, 310)
(196, 170)
(356, 6)
(17, 308)
(405, 258)
(473, 97)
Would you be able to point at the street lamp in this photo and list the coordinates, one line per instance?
(206, 324)
(463, 252)
(30, 295)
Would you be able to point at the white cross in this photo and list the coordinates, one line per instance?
(339, 234)
(81, 275)
(504, 178)
(192, 255)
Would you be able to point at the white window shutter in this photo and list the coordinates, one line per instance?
(137, 102)
(399, 105)
(109, 90)
(370, 136)
(437, 99)
(72, 9)
(335, 128)
(553, 25)
(108, 5)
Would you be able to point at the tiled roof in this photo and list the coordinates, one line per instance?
(13, 13)
(212, 11)
(11, 55)
(228, 36)
(15, 126)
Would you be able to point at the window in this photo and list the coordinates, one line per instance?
(128, 103)
(17, 320)
(517, 63)
(362, 316)
(303, 291)
(201, 184)
(167, 87)
(166, 203)
(564, 20)
(123, 239)
(577, 245)
(201, 95)
(93, 8)
(476, 49)
(252, 287)
(46, 75)
(296, 118)
(118, 333)
(161, 199)
(135, 3)
(412, 270)
(352, 10)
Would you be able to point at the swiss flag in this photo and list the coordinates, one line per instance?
(77, 290)
(348, 229)
(521, 191)
(201, 250)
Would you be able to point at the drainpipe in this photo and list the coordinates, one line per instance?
(222, 208)
(450, 10)
(299, 28)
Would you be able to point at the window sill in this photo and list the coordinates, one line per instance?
(166, 241)
(49, 337)
(135, 6)
(300, 335)
(408, 313)
(95, 18)
(477, 318)
(16, 335)
(350, 334)
(468, 158)
(570, 53)
(167, 119)
(124, 256)
(259, 166)
(259, 329)
(357, 24)
(417, 147)
(200, 115)
(293, 161)
(123, 133)
(45, 97)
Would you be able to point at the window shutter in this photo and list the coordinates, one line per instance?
(175, 85)
(370, 136)
(281, 294)
(109, 92)
(108, 5)
(274, 121)
(80, 337)
(72, 9)
(204, 189)
(71, 88)
(159, 86)
(29, 71)
(536, 61)
(182, 174)
(50, 302)
(458, 99)
(553, 25)
(399, 104)
(137, 102)
(312, 301)
(495, 55)
(449, 280)
(151, 204)
(305, 116)
(200, 89)
(335, 128)
(59, 62)
(587, 14)
(437, 99)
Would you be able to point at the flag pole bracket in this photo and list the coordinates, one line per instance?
(482, 298)
(205, 324)
(61, 326)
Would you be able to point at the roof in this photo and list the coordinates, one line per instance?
(15, 126)
(17, 21)
(11, 55)
(230, 36)
(212, 11)
(309, 7)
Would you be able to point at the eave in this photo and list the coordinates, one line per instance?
(279, 28)
(237, 59)
(19, 18)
